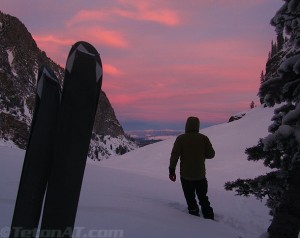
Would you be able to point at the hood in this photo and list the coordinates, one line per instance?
(192, 124)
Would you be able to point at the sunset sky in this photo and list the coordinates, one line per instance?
(164, 60)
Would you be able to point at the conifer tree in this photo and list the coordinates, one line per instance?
(280, 150)
(262, 77)
(280, 41)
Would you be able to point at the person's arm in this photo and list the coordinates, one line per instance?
(209, 150)
(175, 155)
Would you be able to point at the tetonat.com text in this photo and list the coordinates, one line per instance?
(77, 232)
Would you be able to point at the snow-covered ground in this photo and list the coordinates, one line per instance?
(131, 195)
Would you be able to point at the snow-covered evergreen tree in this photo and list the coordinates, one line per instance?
(280, 150)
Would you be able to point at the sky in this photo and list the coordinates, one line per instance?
(163, 60)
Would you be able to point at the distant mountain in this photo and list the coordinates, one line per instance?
(20, 59)
(146, 137)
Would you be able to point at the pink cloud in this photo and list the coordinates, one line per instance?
(88, 15)
(162, 110)
(55, 47)
(101, 36)
(95, 35)
(209, 92)
(112, 70)
(137, 10)
(147, 11)
(50, 39)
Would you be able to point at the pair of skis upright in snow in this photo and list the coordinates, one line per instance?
(58, 145)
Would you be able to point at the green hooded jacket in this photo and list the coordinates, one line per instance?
(192, 148)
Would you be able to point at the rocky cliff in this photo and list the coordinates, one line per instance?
(20, 59)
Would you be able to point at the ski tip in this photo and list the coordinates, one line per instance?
(45, 73)
(88, 49)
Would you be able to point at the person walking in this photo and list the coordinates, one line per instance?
(193, 148)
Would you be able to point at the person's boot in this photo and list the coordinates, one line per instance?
(194, 212)
(208, 213)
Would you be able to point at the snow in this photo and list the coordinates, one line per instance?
(7, 143)
(27, 113)
(106, 147)
(11, 60)
(131, 195)
(10, 57)
(285, 130)
(292, 115)
(290, 64)
(162, 134)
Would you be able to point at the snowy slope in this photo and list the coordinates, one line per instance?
(229, 140)
(132, 195)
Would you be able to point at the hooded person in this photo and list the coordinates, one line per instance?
(193, 148)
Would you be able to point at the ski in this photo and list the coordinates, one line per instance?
(81, 89)
(38, 156)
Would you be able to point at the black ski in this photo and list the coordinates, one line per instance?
(57, 150)
(38, 156)
(82, 84)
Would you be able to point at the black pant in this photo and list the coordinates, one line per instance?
(199, 187)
